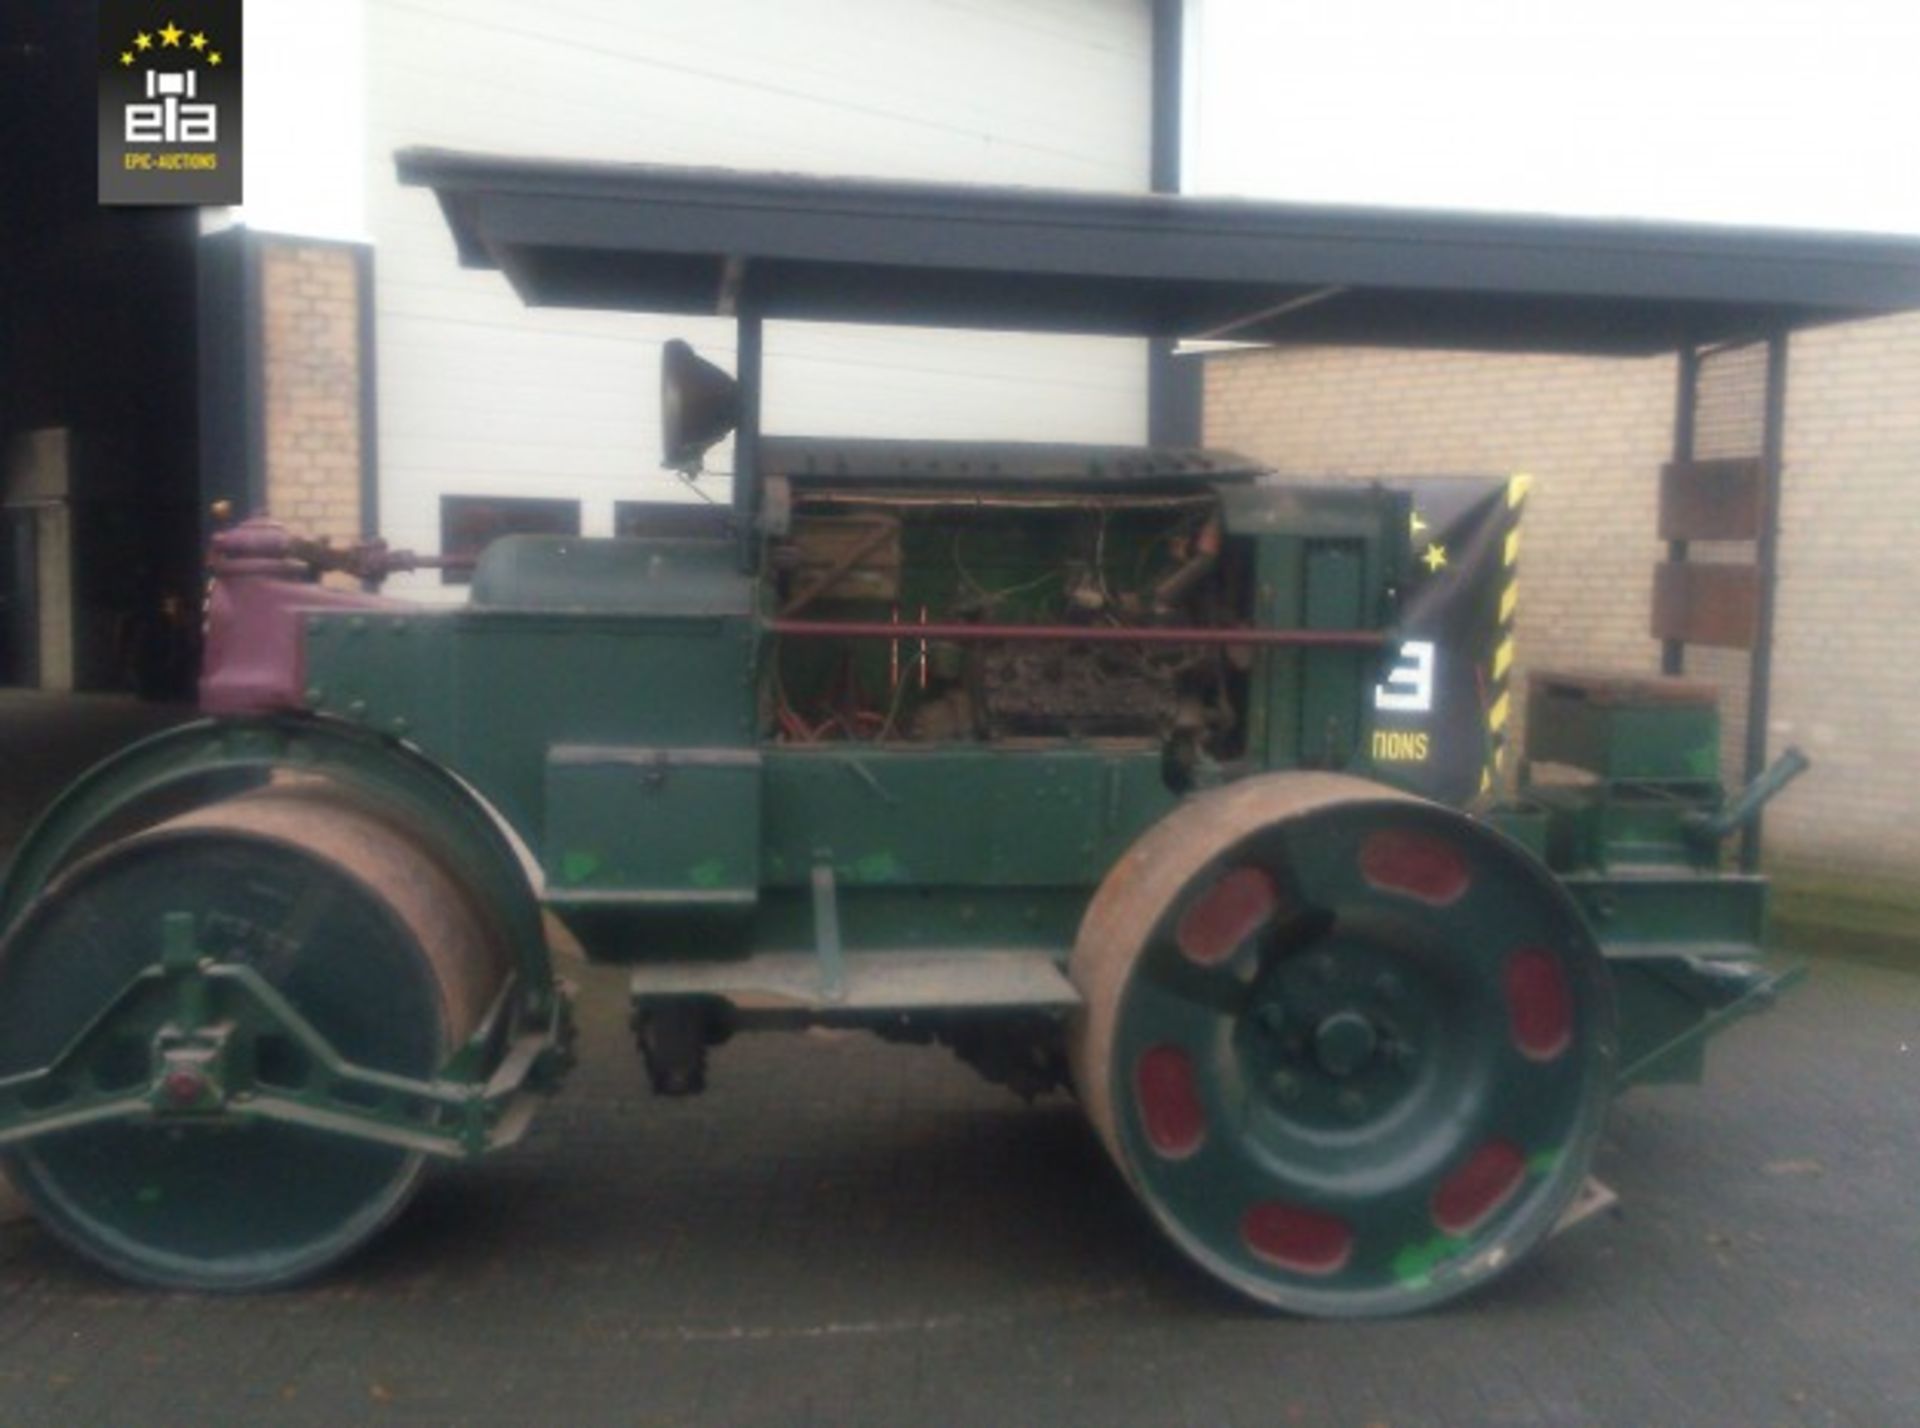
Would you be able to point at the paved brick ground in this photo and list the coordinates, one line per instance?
(846, 1233)
(841, 1232)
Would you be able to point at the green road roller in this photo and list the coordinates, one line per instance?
(1137, 774)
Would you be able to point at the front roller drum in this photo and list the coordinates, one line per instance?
(341, 909)
(1351, 1049)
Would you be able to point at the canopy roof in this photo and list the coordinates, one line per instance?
(657, 239)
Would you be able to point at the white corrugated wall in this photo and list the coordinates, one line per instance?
(482, 396)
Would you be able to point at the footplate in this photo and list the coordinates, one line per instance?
(865, 984)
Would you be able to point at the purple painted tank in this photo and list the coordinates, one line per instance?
(254, 659)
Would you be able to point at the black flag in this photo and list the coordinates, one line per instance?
(1438, 722)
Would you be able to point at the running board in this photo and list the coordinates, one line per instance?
(959, 979)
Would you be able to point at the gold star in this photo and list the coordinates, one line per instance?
(199, 42)
(143, 41)
(170, 36)
(214, 58)
(1419, 522)
(1435, 558)
(126, 57)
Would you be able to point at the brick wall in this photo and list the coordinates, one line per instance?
(310, 322)
(1594, 433)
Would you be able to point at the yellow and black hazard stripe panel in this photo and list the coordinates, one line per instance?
(1500, 672)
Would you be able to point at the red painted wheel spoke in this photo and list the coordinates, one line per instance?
(1297, 1238)
(1539, 1004)
(1171, 1111)
(1418, 865)
(1225, 914)
(1478, 1186)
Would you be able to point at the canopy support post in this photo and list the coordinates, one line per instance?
(746, 435)
(1174, 395)
(1767, 558)
(1686, 405)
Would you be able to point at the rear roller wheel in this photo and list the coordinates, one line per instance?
(1351, 1049)
(346, 915)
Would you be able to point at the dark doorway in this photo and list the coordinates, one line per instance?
(19, 602)
(99, 389)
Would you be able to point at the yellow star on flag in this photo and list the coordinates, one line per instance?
(1435, 558)
(126, 57)
(214, 58)
(1419, 522)
(143, 41)
(199, 42)
(170, 36)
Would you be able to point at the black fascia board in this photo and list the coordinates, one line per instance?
(662, 239)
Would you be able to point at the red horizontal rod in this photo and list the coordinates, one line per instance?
(1077, 634)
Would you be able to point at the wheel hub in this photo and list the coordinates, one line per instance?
(1344, 1043)
(1333, 1035)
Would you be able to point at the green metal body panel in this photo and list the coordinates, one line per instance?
(675, 578)
(1636, 825)
(641, 826)
(1676, 910)
(958, 817)
(1325, 558)
(875, 920)
(489, 692)
(1332, 682)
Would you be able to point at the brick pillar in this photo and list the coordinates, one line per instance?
(313, 357)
